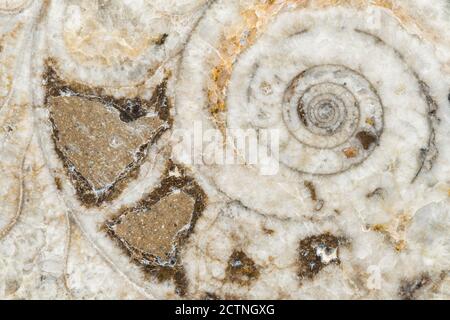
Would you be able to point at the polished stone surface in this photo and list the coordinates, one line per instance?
(99, 197)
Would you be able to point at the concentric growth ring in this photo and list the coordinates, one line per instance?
(333, 107)
(342, 100)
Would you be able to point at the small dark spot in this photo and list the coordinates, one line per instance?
(408, 288)
(302, 114)
(378, 192)
(210, 296)
(241, 269)
(366, 139)
(268, 231)
(132, 110)
(58, 183)
(161, 40)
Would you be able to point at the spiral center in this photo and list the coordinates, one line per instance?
(325, 112)
(325, 105)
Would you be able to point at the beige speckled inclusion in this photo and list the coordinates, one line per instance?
(95, 140)
(154, 230)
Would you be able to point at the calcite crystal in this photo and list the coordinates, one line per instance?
(226, 149)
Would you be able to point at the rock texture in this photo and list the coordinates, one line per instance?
(225, 149)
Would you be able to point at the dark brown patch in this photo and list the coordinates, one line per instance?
(310, 262)
(378, 192)
(312, 190)
(130, 110)
(302, 114)
(268, 231)
(169, 266)
(241, 269)
(366, 139)
(162, 39)
(408, 288)
(58, 183)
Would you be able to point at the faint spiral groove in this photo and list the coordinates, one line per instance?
(347, 101)
(323, 109)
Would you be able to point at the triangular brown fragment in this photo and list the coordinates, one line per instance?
(95, 141)
(154, 231)
(100, 139)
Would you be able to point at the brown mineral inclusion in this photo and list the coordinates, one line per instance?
(155, 230)
(366, 139)
(94, 139)
(310, 262)
(241, 268)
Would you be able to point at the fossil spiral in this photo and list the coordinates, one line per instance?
(331, 82)
(224, 149)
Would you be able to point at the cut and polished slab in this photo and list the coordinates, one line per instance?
(226, 149)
